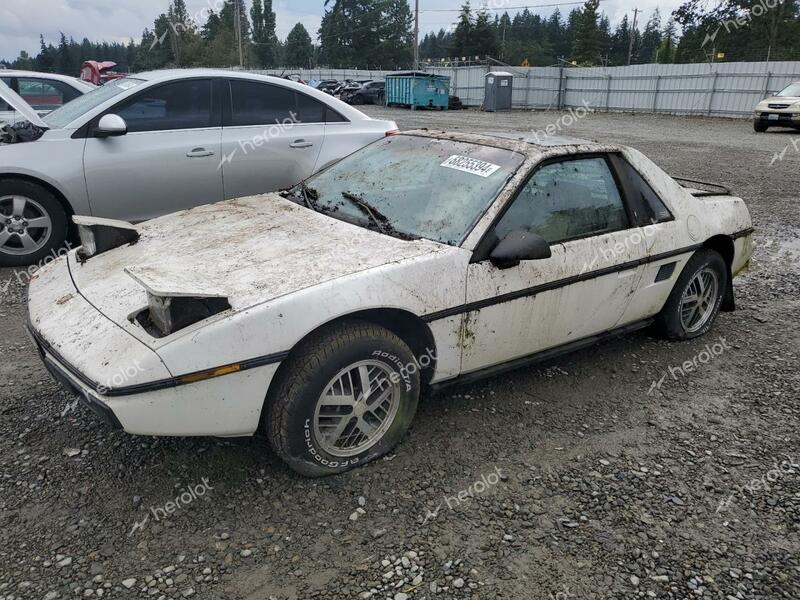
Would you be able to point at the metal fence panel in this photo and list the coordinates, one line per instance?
(722, 89)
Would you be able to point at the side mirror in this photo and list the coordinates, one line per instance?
(517, 246)
(111, 126)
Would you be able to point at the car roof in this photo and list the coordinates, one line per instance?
(524, 142)
(55, 76)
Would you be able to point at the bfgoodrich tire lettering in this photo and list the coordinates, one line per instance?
(678, 320)
(309, 440)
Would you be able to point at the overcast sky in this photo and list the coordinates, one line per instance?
(21, 21)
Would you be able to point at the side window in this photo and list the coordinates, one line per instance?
(42, 94)
(568, 200)
(179, 105)
(331, 116)
(260, 103)
(309, 110)
(647, 207)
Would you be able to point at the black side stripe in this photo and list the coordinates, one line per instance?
(553, 285)
(151, 386)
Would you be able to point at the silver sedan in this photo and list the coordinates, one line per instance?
(158, 142)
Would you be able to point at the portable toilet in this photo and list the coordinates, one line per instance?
(499, 89)
(417, 89)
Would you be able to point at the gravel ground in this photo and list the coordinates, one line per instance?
(578, 478)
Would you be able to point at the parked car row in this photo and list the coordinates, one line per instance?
(44, 92)
(357, 92)
(158, 142)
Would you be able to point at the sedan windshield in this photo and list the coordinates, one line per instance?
(793, 91)
(411, 186)
(83, 104)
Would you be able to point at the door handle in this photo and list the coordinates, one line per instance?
(199, 153)
(300, 144)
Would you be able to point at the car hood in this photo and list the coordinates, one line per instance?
(18, 104)
(251, 250)
(779, 100)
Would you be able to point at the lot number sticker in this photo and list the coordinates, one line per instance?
(470, 165)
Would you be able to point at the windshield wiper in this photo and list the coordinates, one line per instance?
(380, 220)
(309, 195)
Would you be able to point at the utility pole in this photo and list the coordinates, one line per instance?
(239, 32)
(633, 34)
(416, 36)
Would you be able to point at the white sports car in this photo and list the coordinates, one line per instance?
(319, 315)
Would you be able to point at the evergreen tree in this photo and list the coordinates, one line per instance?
(587, 45)
(462, 37)
(651, 38)
(299, 51)
(265, 41)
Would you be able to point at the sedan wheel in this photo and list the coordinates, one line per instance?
(696, 297)
(26, 225)
(345, 397)
(33, 223)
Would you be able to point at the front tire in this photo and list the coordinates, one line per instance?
(696, 299)
(760, 127)
(33, 223)
(345, 397)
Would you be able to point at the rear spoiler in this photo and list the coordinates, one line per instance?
(700, 189)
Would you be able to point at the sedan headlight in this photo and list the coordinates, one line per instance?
(101, 235)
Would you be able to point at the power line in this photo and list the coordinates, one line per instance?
(505, 8)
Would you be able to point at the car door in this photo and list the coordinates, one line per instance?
(272, 138)
(583, 289)
(167, 161)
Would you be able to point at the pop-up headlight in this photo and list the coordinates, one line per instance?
(173, 313)
(175, 299)
(101, 235)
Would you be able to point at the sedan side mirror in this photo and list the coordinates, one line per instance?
(111, 126)
(517, 246)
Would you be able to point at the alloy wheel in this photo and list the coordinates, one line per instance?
(699, 300)
(356, 408)
(25, 226)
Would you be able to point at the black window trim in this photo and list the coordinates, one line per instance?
(486, 244)
(87, 130)
(620, 161)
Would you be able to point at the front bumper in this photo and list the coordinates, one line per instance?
(62, 373)
(778, 119)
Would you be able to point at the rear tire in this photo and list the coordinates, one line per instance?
(318, 417)
(23, 206)
(696, 299)
(760, 127)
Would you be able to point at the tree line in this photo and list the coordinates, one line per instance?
(379, 34)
